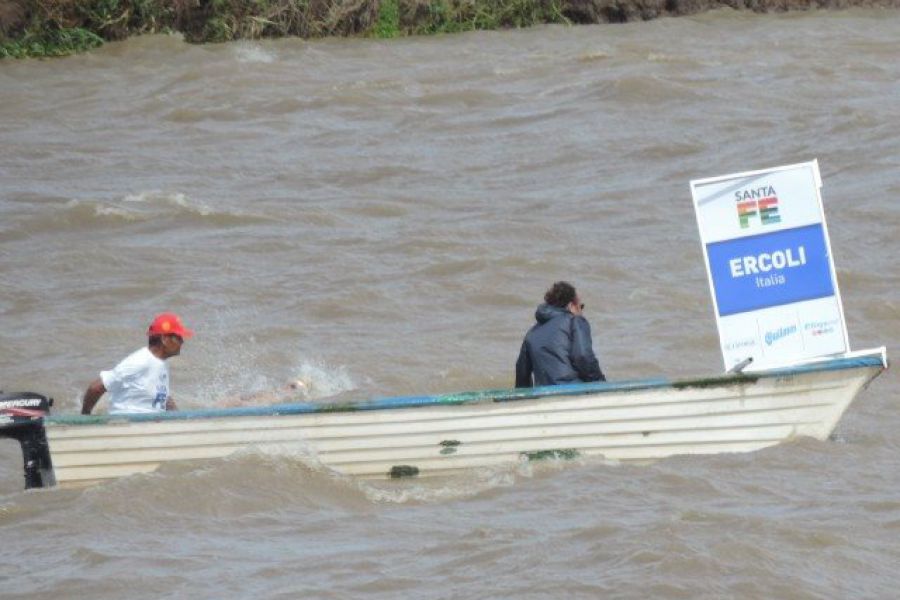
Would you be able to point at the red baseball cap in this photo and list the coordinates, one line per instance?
(169, 323)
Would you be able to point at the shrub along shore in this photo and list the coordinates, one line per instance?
(61, 27)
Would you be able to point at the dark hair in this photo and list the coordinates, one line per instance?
(154, 340)
(560, 294)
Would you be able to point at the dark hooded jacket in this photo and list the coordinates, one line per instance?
(557, 350)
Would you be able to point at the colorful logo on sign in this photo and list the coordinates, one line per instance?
(816, 328)
(780, 333)
(757, 203)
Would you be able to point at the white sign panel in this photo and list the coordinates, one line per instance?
(769, 264)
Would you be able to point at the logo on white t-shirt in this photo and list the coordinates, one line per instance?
(162, 391)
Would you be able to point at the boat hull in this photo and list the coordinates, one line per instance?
(630, 421)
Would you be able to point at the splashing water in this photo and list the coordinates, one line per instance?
(322, 380)
(253, 53)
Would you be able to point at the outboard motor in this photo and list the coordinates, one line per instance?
(22, 418)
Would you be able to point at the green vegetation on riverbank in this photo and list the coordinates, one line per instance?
(60, 27)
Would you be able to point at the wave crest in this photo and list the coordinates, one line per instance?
(142, 207)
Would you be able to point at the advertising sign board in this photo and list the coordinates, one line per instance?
(769, 264)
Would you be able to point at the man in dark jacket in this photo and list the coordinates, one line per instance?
(558, 348)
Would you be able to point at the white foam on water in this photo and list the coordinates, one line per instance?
(140, 205)
(169, 199)
(465, 485)
(100, 209)
(248, 52)
(443, 489)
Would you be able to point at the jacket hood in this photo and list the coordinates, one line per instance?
(545, 312)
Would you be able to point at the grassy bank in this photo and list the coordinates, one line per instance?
(60, 27)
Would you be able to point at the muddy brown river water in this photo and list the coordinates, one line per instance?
(381, 218)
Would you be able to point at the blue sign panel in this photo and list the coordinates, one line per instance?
(771, 269)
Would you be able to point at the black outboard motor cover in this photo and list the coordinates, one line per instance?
(18, 408)
(22, 418)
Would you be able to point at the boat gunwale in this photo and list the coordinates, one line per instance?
(875, 359)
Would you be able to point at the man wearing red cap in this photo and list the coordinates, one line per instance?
(140, 383)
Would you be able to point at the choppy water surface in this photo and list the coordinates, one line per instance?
(381, 218)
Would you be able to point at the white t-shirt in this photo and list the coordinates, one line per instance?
(138, 384)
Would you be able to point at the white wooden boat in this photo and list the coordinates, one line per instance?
(429, 435)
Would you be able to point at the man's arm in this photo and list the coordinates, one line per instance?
(91, 395)
(523, 369)
(586, 364)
